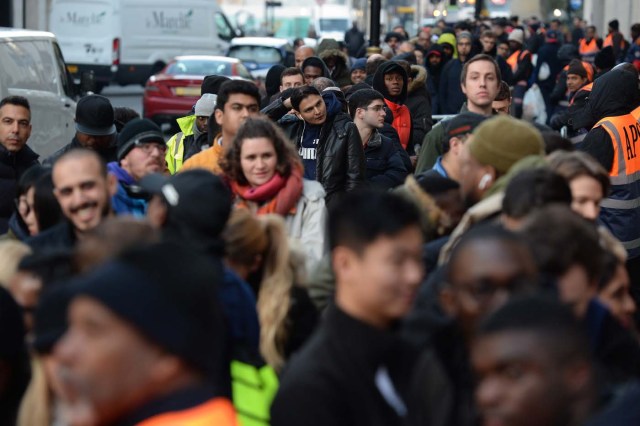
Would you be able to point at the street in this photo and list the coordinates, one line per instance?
(125, 96)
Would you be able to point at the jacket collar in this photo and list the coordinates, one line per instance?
(25, 155)
(375, 140)
(361, 342)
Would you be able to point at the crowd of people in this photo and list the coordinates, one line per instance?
(324, 254)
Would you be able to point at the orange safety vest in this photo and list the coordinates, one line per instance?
(217, 411)
(589, 50)
(636, 113)
(609, 41)
(621, 208)
(516, 57)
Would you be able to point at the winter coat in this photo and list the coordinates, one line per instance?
(129, 197)
(334, 379)
(340, 163)
(433, 76)
(189, 143)
(341, 74)
(307, 227)
(12, 166)
(400, 118)
(108, 155)
(548, 54)
(450, 96)
(419, 104)
(60, 236)
(385, 168)
(354, 39)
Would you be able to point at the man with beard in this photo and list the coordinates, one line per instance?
(84, 189)
(141, 150)
(95, 129)
(434, 64)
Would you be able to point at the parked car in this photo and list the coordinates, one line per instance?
(31, 65)
(176, 88)
(261, 53)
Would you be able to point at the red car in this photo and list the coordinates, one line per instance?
(174, 91)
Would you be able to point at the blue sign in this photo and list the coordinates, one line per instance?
(575, 4)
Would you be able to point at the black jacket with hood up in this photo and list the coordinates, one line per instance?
(615, 93)
(12, 166)
(340, 162)
(378, 84)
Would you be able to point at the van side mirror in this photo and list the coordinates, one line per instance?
(87, 82)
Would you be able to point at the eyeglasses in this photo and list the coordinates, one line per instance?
(377, 108)
(147, 147)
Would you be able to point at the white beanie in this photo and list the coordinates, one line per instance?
(517, 35)
(205, 105)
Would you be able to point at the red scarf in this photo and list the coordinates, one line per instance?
(279, 195)
(401, 121)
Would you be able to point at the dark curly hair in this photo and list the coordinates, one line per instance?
(259, 127)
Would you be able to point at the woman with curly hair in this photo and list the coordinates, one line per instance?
(264, 172)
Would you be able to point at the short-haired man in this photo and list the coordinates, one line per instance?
(291, 77)
(237, 100)
(326, 138)
(355, 369)
(118, 364)
(458, 130)
(302, 53)
(385, 168)
(480, 80)
(532, 364)
(15, 156)
(83, 188)
(95, 129)
(141, 150)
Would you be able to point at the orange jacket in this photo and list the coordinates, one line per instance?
(216, 411)
(401, 121)
(516, 57)
(589, 50)
(207, 159)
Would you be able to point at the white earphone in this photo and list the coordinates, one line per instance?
(484, 181)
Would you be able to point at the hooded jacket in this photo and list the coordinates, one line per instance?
(184, 144)
(314, 61)
(433, 76)
(450, 95)
(341, 73)
(340, 163)
(12, 166)
(451, 40)
(272, 82)
(419, 104)
(129, 198)
(613, 94)
(400, 118)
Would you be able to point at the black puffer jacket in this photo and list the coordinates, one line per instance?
(340, 161)
(615, 93)
(11, 168)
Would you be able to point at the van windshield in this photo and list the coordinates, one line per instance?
(28, 65)
(257, 54)
(77, 19)
(336, 24)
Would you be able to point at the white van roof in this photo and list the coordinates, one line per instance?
(20, 33)
(259, 41)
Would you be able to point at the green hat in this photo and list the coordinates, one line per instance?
(502, 141)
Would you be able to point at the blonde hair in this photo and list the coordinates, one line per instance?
(248, 238)
(35, 407)
(11, 253)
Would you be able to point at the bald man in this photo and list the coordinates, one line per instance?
(302, 53)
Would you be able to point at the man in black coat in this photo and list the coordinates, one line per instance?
(15, 156)
(95, 129)
(356, 370)
(326, 138)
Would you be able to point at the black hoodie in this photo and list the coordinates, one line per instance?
(314, 61)
(613, 94)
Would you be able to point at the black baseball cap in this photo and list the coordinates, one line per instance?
(463, 124)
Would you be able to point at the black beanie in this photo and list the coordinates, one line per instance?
(614, 25)
(605, 59)
(212, 83)
(272, 80)
(576, 67)
(169, 294)
(138, 130)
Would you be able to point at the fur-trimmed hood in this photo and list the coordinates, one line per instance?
(419, 78)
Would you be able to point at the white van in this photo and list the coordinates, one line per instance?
(31, 65)
(126, 41)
